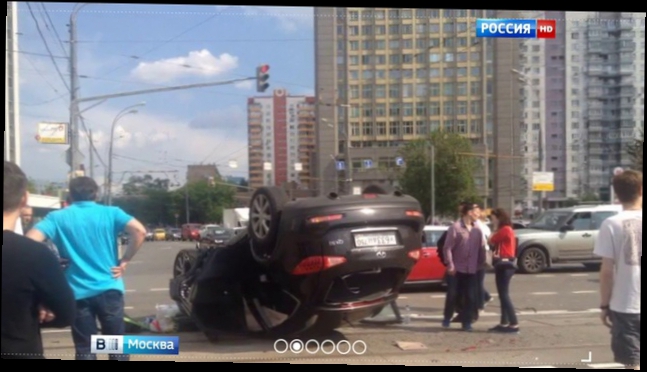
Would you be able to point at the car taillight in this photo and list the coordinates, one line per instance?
(415, 254)
(414, 214)
(317, 264)
(322, 219)
(369, 196)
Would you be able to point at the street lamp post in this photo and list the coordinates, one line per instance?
(432, 212)
(128, 110)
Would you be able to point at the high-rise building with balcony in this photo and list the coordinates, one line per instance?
(281, 140)
(386, 76)
(11, 87)
(583, 99)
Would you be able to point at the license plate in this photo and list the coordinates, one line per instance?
(375, 240)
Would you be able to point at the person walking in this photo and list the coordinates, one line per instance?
(464, 253)
(35, 292)
(619, 244)
(85, 234)
(504, 245)
(484, 296)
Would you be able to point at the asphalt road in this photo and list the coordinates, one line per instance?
(558, 313)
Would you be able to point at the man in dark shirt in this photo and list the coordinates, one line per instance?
(465, 255)
(35, 292)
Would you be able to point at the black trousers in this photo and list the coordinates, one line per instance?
(503, 275)
(467, 288)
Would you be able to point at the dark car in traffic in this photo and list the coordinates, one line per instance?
(215, 237)
(173, 235)
(305, 266)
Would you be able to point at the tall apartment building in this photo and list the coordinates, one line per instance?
(583, 99)
(386, 76)
(11, 88)
(281, 140)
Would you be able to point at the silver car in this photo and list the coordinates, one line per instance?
(562, 236)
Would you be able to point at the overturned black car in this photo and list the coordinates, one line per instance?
(305, 266)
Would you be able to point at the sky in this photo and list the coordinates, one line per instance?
(123, 48)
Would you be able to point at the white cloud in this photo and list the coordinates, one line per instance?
(290, 19)
(197, 63)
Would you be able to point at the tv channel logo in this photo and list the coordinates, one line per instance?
(135, 345)
(327, 347)
(516, 28)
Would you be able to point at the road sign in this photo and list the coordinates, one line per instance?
(53, 133)
(357, 190)
(618, 171)
(543, 181)
(399, 161)
(368, 163)
(341, 165)
(68, 156)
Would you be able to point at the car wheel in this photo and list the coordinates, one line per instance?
(184, 261)
(533, 260)
(264, 218)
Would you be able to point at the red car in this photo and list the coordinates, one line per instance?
(191, 232)
(428, 269)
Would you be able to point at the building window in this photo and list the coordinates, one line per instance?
(395, 74)
(354, 91)
(421, 109)
(448, 125)
(367, 111)
(448, 89)
(462, 126)
(367, 30)
(394, 128)
(395, 59)
(380, 110)
(476, 71)
(367, 129)
(461, 89)
(434, 57)
(353, 45)
(353, 30)
(448, 108)
(380, 91)
(353, 60)
(421, 128)
(394, 91)
(394, 110)
(475, 107)
(407, 109)
(353, 74)
(354, 112)
(434, 108)
(407, 90)
(434, 89)
(461, 108)
(367, 91)
(407, 128)
(354, 129)
(353, 15)
(367, 74)
(448, 72)
(394, 30)
(380, 30)
(381, 128)
(434, 125)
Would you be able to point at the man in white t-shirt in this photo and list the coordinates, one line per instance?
(619, 244)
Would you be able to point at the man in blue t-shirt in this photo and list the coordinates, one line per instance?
(85, 234)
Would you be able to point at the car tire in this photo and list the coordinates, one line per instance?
(183, 262)
(533, 260)
(265, 210)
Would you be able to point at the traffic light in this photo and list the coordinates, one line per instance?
(262, 77)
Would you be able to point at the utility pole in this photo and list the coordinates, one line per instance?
(432, 150)
(74, 150)
(91, 154)
(186, 201)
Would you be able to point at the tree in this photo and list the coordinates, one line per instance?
(636, 152)
(31, 187)
(137, 185)
(454, 172)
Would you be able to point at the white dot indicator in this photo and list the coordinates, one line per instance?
(296, 346)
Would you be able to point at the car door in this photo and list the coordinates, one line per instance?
(574, 244)
(598, 218)
(428, 268)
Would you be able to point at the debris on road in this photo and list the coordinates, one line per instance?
(409, 346)
(164, 319)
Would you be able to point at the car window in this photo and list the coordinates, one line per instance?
(431, 238)
(599, 217)
(581, 221)
(550, 220)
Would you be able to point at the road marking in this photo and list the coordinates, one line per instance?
(403, 298)
(579, 275)
(128, 308)
(606, 366)
(585, 292)
(544, 293)
(130, 290)
(57, 330)
(159, 289)
(545, 276)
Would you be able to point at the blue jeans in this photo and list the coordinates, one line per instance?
(504, 273)
(108, 308)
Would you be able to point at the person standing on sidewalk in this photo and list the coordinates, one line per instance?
(484, 296)
(504, 243)
(464, 252)
(619, 244)
(86, 235)
(35, 292)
